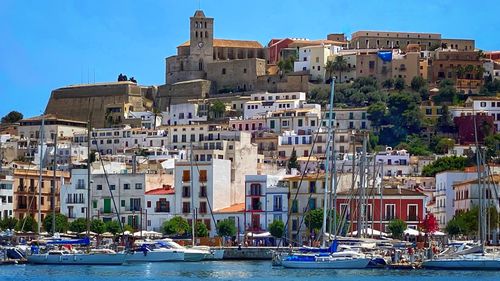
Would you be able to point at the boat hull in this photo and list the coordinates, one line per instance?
(78, 259)
(464, 264)
(195, 256)
(335, 264)
(155, 256)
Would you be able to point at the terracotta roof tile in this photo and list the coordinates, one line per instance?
(161, 191)
(231, 43)
(236, 208)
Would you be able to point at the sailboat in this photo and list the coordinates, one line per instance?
(330, 258)
(476, 260)
(155, 251)
(68, 256)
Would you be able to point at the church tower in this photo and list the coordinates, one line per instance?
(201, 39)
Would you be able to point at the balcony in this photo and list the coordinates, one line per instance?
(75, 201)
(277, 208)
(412, 218)
(80, 186)
(255, 207)
(162, 210)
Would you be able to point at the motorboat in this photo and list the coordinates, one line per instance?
(470, 261)
(67, 257)
(154, 252)
(190, 254)
(336, 260)
(215, 253)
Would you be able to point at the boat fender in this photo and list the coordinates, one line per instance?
(74, 257)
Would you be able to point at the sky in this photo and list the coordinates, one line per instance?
(46, 45)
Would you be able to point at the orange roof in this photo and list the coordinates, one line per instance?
(231, 43)
(494, 178)
(236, 208)
(165, 190)
(304, 43)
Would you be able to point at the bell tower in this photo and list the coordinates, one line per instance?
(201, 38)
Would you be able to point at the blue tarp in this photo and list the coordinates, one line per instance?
(385, 55)
(84, 241)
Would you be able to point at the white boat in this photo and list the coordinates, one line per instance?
(337, 260)
(154, 252)
(215, 253)
(65, 257)
(465, 262)
(190, 254)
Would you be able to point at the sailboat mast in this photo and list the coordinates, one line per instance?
(327, 164)
(42, 133)
(480, 187)
(89, 132)
(53, 186)
(192, 191)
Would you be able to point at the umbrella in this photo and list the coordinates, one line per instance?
(434, 90)
(438, 233)
(413, 232)
(107, 234)
(90, 233)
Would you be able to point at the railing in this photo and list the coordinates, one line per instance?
(80, 186)
(75, 201)
(412, 218)
(162, 210)
(277, 208)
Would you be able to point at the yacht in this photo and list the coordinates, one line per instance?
(154, 252)
(190, 254)
(470, 261)
(66, 257)
(336, 260)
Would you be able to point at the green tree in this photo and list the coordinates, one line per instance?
(286, 65)
(418, 83)
(339, 65)
(218, 108)
(97, 226)
(226, 228)
(277, 228)
(445, 122)
(128, 228)
(176, 226)
(61, 223)
(113, 226)
(28, 223)
(444, 145)
(415, 146)
(12, 117)
(8, 223)
(377, 113)
(292, 162)
(492, 144)
(201, 229)
(447, 93)
(78, 225)
(397, 228)
(454, 227)
(388, 84)
(399, 84)
(424, 94)
(314, 219)
(444, 164)
(404, 111)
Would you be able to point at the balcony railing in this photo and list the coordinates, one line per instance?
(255, 207)
(162, 210)
(80, 186)
(412, 218)
(277, 208)
(75, 201)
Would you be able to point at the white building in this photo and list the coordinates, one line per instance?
(6, 196)
(306, 119)
(395, 162)
(314, 58)
(348, 118)
(480, 105)
(266, 200)
(148, 119)
(260, 104)
(201, 187)
(184, 114)
(160, 207)
(124, 198)
(445, 195)
(73, 195)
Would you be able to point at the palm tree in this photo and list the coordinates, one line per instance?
(340, 64)
(468, 70)
(479, 69)
(460, 71)
(329, 69)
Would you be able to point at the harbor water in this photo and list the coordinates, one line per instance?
(223, 270)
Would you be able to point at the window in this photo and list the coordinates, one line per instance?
(295, 224)
(186, 207)
(162, 206)
(122, 203)
(312, 203)
(203, 176)
(483, 104)
(277, 203)
(186, 191)
(295, 206)
(99, 187)
(300, 122)
(126, 186)
(186, 176)
(390, 212)
(223, 71)
(138, 186)
(203, 191)
(203, 207)
(111, 187)
(413, 212)
(148, 204)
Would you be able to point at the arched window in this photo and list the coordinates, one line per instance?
(200, 64)
(206, 34)
(205, 24)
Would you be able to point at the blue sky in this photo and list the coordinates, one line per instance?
(49, 44)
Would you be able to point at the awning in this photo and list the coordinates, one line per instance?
(368, 231)
(259, 235)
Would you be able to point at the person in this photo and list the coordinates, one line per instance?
(239, 247)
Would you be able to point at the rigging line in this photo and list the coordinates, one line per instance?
(107, 182)
(302, 177)
(208, 200)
